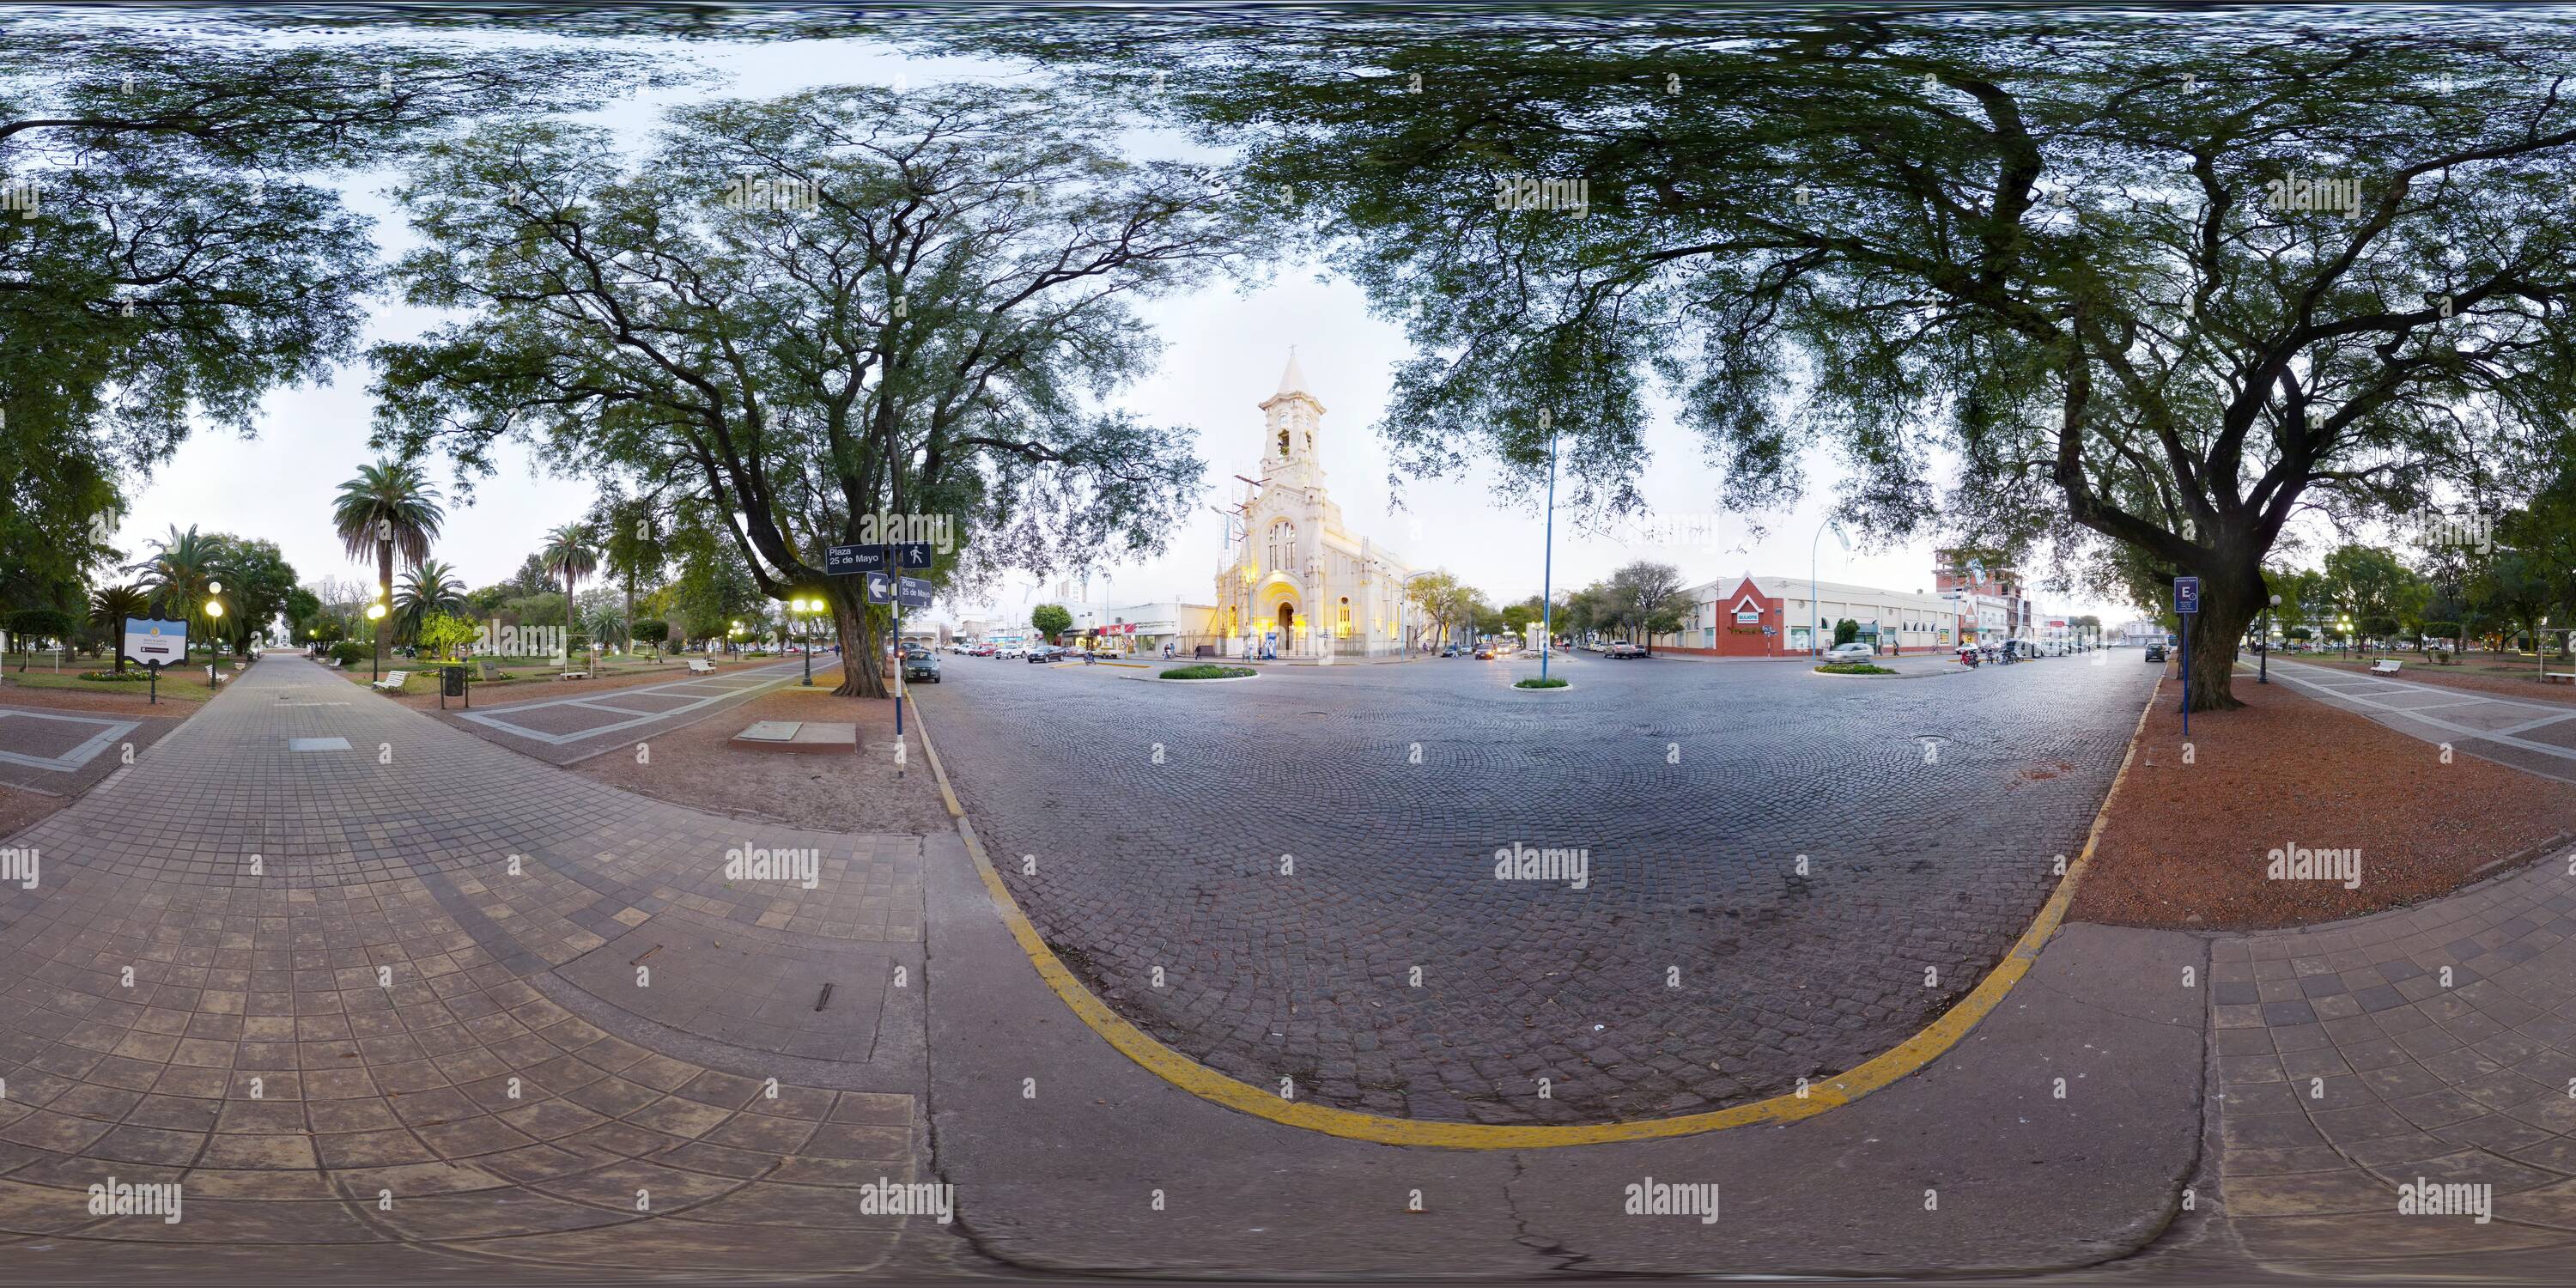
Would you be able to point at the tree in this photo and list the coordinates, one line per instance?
(570, 554)
(180, 260)
(633, 550)
(817, 310)
(27, 625)
(441, 636)
(430, 587)
(258, 583)
(1846, 630)
(653, 631)
(1050, 620)
(2077, 259)
(389, 509)
(109, 606)
(1650, 597)
(177, 576)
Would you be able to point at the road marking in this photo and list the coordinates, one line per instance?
(72, 760)
(496, 718)
(2466, 732)
(1900, 1061)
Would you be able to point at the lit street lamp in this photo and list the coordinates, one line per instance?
(375, 618)
(805, 609)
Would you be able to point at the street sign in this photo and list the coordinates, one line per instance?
(839, 561)
(912, 592)
(914, 554)
(149, 641)
(880, 587)
(2186, 594)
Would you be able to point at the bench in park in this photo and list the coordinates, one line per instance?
(574, 675)
(393, 681)
(2385, 666)
(701, 666)
(2559, 677)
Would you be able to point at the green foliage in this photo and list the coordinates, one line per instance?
(1534, 682)
(440, 635)
(1846, 630)
(1853, 668)
(629, 323)
(1050, 620)
(652, 632)
(349, 652)
(1206, 671)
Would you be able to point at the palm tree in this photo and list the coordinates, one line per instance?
(431, 587)
(109, 607)
(570, 555)
(182, 568)
(388, 509)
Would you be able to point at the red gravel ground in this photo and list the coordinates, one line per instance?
(698, 766)
(2186, 845)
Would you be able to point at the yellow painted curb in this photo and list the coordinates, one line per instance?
(1899, 1061)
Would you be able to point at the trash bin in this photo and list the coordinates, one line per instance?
(451, 681)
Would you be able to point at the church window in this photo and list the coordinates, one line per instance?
(1283, 544)
(1342, 627)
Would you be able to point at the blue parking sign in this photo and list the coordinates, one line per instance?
(2186, 594)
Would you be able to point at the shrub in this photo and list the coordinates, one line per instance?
(349, 652)
(1534, 682)
(1852, 668)
(1206, 671)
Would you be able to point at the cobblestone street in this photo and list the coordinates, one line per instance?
(1254, 872)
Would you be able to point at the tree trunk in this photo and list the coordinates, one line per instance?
(862, 669)
(630, 613)
(2228, 603)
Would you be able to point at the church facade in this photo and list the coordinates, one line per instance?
(1298, 582)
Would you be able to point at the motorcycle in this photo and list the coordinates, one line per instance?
(1968, 658)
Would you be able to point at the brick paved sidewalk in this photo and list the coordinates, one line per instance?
(287, 964)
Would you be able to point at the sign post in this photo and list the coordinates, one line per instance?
(2186, 606)
(154, 643)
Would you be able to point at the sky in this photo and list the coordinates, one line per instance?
(1223, 353)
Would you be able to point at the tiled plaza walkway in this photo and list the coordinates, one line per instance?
(419, 1006)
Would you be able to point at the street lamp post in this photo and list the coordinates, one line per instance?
(804, 609)
(2343, 633)
(1547, 566)
(375, 628)
(215, 615)
(1815, 607)
(2263, 663)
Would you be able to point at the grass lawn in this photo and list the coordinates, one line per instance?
(175, 684)
(1204, 671)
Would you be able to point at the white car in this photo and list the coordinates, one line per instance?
(1852, 652)
(1013, 650)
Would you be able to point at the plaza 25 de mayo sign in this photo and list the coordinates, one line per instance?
(155, 643)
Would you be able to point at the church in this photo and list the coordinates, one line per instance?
(1298, 582)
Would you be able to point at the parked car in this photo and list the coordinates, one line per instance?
(1622, 649)
(1012, 650)
(920, 668)
(2155, 652)
(1044, 652)
(1855, 651)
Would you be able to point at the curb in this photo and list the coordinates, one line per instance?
(1903, 1060)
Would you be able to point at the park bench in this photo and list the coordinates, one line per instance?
(393, 681)
(701, 666)
(574, 674)
(2559, 677)
(487, 671)
(2385, 666)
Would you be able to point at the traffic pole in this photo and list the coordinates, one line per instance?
(2186, 675)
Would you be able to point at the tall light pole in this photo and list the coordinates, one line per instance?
(804, 609)
(1547, 561)
(1816, 607)
(2263, 660)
